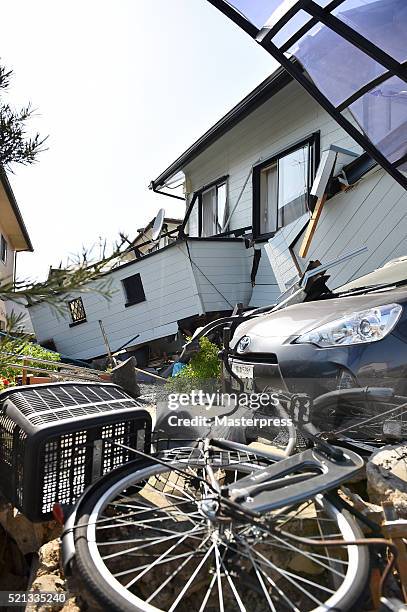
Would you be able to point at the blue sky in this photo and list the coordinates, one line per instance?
(257, 11)
(122, 87)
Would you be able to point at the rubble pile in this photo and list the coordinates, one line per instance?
(30, 560)
(386, 473)
(30, 553)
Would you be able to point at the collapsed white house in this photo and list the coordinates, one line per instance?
(248, 203)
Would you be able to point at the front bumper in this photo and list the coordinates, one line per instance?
(305, 368)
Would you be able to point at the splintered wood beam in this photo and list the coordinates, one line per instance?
(312, 226)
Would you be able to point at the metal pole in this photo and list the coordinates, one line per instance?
(106, 341)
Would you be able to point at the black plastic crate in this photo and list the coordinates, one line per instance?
(55, 439)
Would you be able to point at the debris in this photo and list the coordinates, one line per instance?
(13, 566)
(48, 577)
(27, 535)
(371, 511)
(124, 375)
(387, 477)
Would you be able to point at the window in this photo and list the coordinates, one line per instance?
(133, 288)
(281, 187)
(208, 215)
(77, 311)
(3, 249)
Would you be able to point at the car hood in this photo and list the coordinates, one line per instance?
(292, 321)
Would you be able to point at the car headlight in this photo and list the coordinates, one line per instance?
(356, 328)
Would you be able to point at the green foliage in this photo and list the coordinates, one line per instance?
(202, 372)
(15, 145)
(205, 364)
(13, 345)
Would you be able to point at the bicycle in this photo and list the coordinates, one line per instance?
(219, 523)
(228, 525)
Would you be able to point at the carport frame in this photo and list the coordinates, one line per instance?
(318, 14)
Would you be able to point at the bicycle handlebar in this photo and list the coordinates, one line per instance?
(373, 394)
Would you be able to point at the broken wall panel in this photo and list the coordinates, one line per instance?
(351, 219)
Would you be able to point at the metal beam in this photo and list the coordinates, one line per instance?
(362, 140)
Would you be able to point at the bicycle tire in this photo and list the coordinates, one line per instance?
(110, 596)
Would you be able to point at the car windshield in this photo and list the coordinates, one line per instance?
(393, 272)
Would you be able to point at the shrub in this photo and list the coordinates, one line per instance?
(202, 372)
(21, 346)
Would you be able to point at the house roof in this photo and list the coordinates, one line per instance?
(263, 92)
(268, 88)
(11, 218)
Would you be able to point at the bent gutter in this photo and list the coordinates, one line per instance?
(153, 187)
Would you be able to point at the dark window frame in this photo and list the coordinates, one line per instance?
(132, 301)
(3, 249)
(313, 141)
(222, 180)
(74, 321)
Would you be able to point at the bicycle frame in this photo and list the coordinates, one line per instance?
(290, 480)
(271, 486)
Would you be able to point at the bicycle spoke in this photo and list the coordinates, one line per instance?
(279, 591)
(165, 547)
(208, 593)
(259, 578)
(261, 563)
(290, 577)
(187, 585)
(306, 554)
(219, 584)
(132, 514)
(147, 545)
(156, 562)
(230, 581)
(174, 573)
(163, 561)
(163, 529)
(273, 544)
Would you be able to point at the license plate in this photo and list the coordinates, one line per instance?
(245, 373)
(242, 370)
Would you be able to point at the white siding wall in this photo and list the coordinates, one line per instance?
(372, 213)
(6, 275)
(266, 290)
(288, 117)
(171, 294)
(222, 272)
(174, 288)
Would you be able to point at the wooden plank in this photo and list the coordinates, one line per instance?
(312, 226)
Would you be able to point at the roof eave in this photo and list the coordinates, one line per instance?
(13, 203)
(263, 92)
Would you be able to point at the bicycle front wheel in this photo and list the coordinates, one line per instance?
(147, 539)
